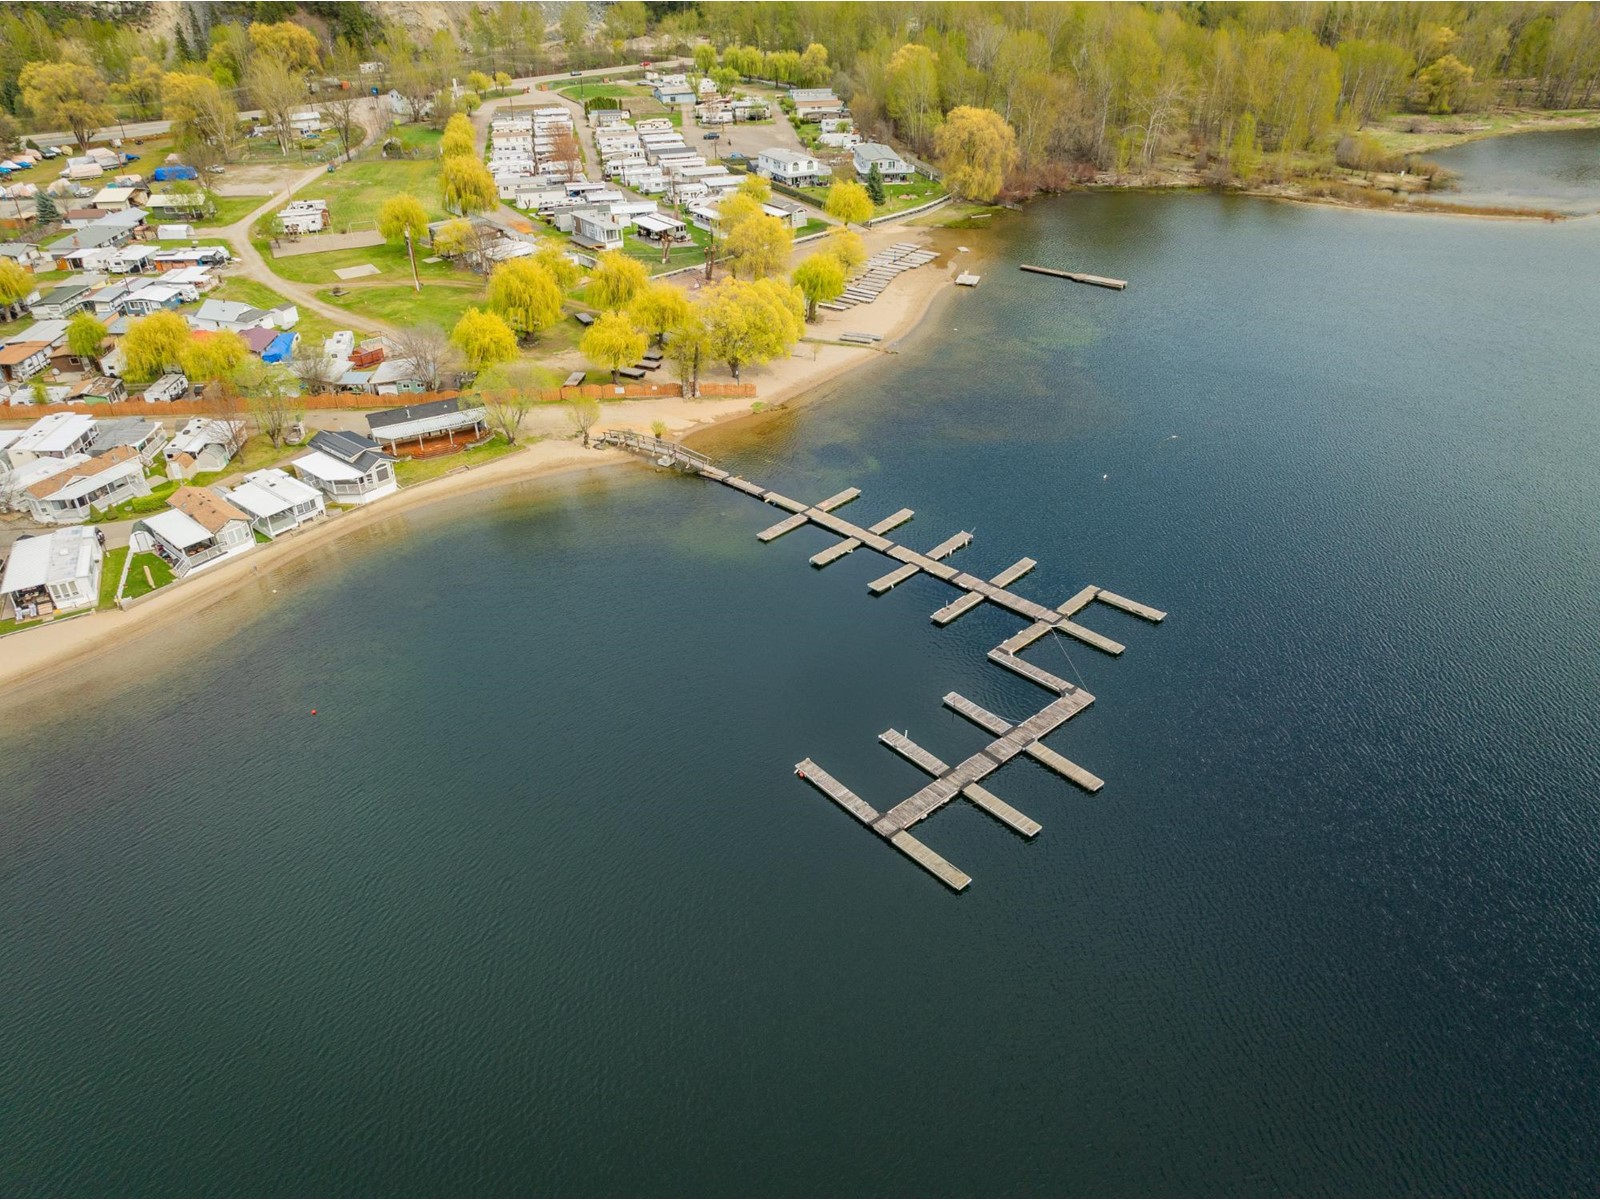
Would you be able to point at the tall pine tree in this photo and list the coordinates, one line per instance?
(45, 209)
(875, 184)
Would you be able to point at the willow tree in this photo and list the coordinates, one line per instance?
(466, 186)
(976, 148)
(523, 292)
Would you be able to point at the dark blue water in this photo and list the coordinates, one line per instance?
(1556, 169)
(535, 904)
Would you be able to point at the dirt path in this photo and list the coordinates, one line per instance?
(249, 263)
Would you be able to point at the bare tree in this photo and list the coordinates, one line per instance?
(583, 412)
(315, 367)
(342, 111)
(278, 92)
(508, 391)
(272, 395)
(431, 354)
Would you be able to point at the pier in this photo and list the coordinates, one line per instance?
(1077, 277)
(964, 780)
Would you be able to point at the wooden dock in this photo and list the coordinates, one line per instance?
(1009, 741)
(1077, 277)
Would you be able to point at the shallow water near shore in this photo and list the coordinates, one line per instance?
(1556, 169)
(534, 903)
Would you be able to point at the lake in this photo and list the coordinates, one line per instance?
(535, 903)
(1556, 169)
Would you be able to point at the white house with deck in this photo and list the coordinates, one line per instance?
(57, 572)
(793, 168)
(200, 530)
(71, 493)
(203, 444)
(891, 167)
(347, 468)
(276, 502)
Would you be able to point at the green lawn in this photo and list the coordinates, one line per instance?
(589, 89)
(391, 261)
(111, 575)
(11, 626)
(357, 190)
(229, 209)
(312, 326)
(409, 472)
(440, 304)
(258, 452)
(812, 225)
(648, 251)
(138, 584)
(901, 196)
(415, 137)
(141, 506)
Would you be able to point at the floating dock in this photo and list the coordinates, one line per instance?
(1010, 740)
(1078, 277)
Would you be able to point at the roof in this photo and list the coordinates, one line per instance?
(123, 431)
(782, 154)
(228, 312)
(177, 529)
(325, 466)
(877, 152)
(798, 94)
(21, 352)
(419, 420)
(55, 432)
(351, 449)
(54, 558)
(206, 507)
(259, 339)
(82, 477)
(200, 432)
(63, 295)
(270, 492)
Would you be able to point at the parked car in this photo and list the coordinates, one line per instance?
(50, 152)
(574, 74)
(217, 170)
(710, 137)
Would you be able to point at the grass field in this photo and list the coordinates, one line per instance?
(901, 196)
(409, 472)
(230, 209)
(649, 251)
(439, 304)
(140, 585)
(590, 90)
(357, 190)
(141, 506)
(391, 261)
(111, 575)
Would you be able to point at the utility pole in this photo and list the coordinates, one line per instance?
(411, 252)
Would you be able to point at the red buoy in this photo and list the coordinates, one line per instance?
(313, 712)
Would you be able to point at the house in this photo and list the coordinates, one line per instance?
(56, 572)
(98, 389)
(435, 422)
(61, 302)
(128, 259)
(99, 482)
(596, 230)
(230, 316)
(173, 386)
(811, 95)
(347, 467)
(108, 301)
(25, 254)
(145, 437)
(203, 444)
(176, 204)
(340, 344)
(276, 501)
(791, 212)
(396, 376)
(21, 361)
(155, 296)
(193, 256)
(658, 227)
(793, 168)
(53, 436)
(890, 165)
(259, 340)
(673, 89)
(201, 530)
(117, 198)
(305, 216)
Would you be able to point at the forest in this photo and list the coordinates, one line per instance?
(1237, 88)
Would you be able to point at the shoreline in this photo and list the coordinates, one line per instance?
(55, 651)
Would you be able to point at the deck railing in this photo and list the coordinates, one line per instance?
(656, 448)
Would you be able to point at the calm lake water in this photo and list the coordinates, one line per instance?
(535, 903)
(1558, 169)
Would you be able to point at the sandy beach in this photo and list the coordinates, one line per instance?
(62, 648)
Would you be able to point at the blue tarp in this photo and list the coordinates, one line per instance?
(164, 174)
(282, 347)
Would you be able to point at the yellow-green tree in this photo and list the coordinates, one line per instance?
(760, 246)
(1444, 84)
(466, 186)
(554, 259)
(977, 148)
(820, 278)
(479, 82)
(70, 94)
(523, 292)
(911, 83)
(735, 210)
(749, 322)
(15, 284)
(142, 87)
(616, 280)
(401, 213)
(85, 337)
(293, 45)
(1244, 154)
(484, 339)
(658, 307)
(213, 357)
(458, 138)
(613, 342)
(848, 201)
(756, 187)
(846, 245)
(154, 344)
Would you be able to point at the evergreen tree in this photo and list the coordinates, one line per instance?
(875, 184)
(181, 46)
(46, 210)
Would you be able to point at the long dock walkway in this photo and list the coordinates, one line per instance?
(1009, 741)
